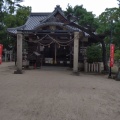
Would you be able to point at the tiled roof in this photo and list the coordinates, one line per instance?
(33, 20)
(36, 20)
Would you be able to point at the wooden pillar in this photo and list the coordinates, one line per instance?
(19, 53)
(76, 51)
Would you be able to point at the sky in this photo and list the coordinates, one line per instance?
(95, 6)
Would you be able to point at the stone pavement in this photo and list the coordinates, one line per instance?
(55, 94)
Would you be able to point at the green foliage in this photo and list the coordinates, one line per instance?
(109, 24)
(106, 20)
(83, 17)
(22, 15)
(117, 55)
(12, 14)
(94, 53)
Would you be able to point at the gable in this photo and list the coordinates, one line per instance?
(56, 16)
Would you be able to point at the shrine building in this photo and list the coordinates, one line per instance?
(48, 39)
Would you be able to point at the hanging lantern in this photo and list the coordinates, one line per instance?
(64, 48)
(59, 46)
(48, 46)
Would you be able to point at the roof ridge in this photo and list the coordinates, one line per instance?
(39, 13)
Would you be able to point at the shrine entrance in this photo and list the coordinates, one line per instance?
(56, 55)
(55, 49)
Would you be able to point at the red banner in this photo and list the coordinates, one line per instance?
(112, 48)
(1, 48)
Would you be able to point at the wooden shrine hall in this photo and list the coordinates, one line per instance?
(49, 40)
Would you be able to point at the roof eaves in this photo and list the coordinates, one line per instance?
(17, 28)
(14, 30)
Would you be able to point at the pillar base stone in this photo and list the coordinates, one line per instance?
(18, 72)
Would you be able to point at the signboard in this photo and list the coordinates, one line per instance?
(1, 48)
(112, 48)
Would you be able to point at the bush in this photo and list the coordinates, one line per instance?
(94, 53)
(117, 55)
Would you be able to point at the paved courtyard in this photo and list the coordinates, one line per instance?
(55, 94)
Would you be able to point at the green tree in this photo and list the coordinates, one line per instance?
(82, 16)
(17, 19)
(109, 23)
(12, 14)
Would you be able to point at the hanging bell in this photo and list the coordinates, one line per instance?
(59, 46)
(48, 46)
(64, 47)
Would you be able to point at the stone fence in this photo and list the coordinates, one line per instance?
(7, 56)
(96, 67)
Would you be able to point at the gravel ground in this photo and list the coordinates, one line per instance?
(56, 94)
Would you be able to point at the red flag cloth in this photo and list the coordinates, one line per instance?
(1, 48)
(112, 49)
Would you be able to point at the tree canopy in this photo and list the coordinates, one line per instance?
(12, 14)
(109, 24)
(82, 16)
